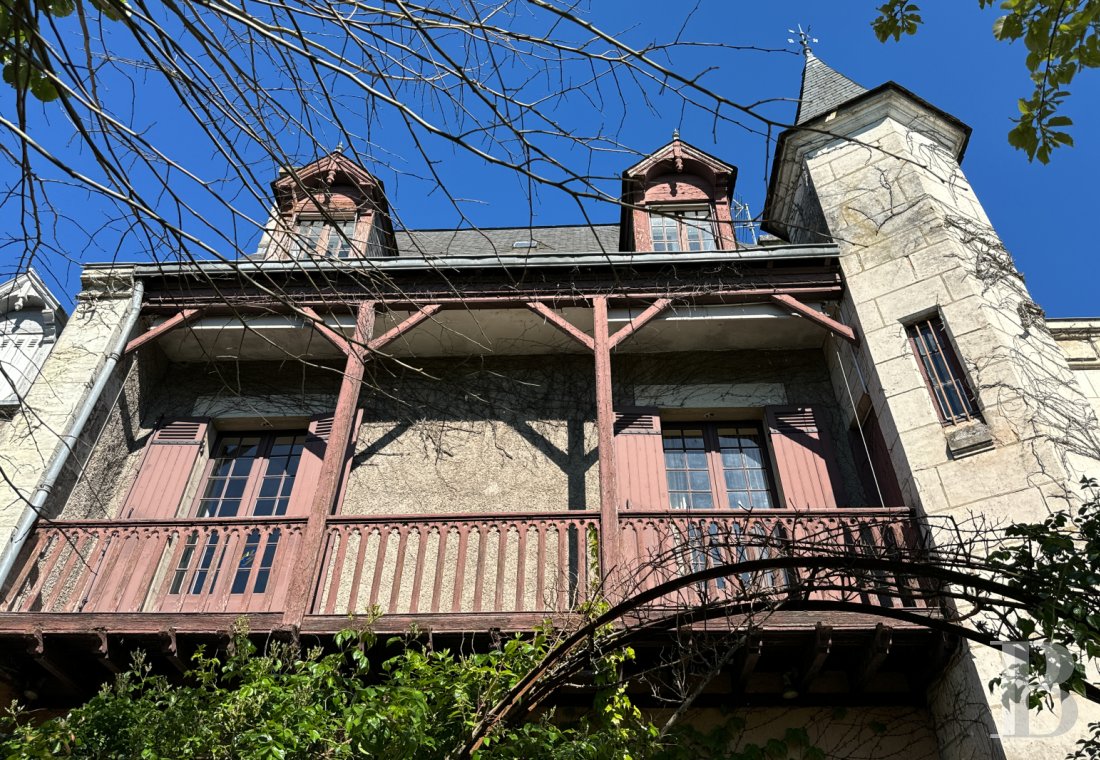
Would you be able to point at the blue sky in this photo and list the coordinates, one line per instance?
(954, 63)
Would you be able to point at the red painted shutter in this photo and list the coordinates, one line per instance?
(166, 469)
(804, 456)
(640, 459)
(313, 456)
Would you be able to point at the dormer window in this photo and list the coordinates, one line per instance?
(681, 229)
(325, 237)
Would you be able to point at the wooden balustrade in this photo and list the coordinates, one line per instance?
(210, 565)
(659, 546)
(446, 564)
(458, 563)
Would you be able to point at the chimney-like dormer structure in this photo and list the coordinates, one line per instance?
(331, 208)
(677, 199)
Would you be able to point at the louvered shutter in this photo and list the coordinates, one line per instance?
(313, 457)
(640, 459)
(167, 467)
(805, 459)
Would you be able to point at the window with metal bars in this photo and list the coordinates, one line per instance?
(942, 371)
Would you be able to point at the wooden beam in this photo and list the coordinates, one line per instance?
(103, 652)
(830, 324)
(317, 322)
(303, 580)
(179, 318)
(605, 429)
(874, 656)
(424, 312)
(36, 647)
(560, 322)
(747, 660)
(171, 649)
(640, 321)
(816, 656)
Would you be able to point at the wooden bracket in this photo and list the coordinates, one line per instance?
(560, 322)
(177, 319)
(654, 310)
(170, 648)
(874, 656)
(747, 659)
(814, 315)
(317, 322)
(411, 321)
(103, 652)
(36, 647)
(816, 656)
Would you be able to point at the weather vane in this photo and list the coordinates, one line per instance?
(804, 38)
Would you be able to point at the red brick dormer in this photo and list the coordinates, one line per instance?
(330, 208)
(677, 199)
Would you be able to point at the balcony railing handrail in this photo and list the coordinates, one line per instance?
(173, 522)
(784, 512)
(572, 514)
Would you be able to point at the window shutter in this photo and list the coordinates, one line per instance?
(313, 456)
(166, 469)
(805, 461)
(640, 459)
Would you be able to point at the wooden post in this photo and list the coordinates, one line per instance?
(605, 427)
(307, 563)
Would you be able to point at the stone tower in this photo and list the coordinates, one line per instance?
(878, 172)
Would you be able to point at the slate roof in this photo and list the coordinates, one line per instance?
(499, 240)
(823, 89)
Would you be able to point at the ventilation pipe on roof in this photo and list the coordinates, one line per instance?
(22, 530)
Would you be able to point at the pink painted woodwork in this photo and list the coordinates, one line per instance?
(176, 320)
(209, 565)
(663, 546)
(309, 465)
(444, 565)
(805, 461)
(830, 324)
(678, 188)
(450, 564)
(166, 469)
(639, 459)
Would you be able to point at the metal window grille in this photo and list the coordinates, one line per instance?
(951, 394)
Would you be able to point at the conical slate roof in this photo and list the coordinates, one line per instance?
(823, 89)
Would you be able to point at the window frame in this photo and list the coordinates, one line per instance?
(715, 468)
(250, 495)
(676, 214)
(953, 376)
(320, 246)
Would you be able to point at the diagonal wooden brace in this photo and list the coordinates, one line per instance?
(655, 310)
(411, 321)
(560, 322)
(814, 315)
(177, 319)
(317, 322)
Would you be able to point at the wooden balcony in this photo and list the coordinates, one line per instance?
(444, 568)
(97, 590)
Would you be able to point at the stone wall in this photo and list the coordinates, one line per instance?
(915, 242)
(31, 440)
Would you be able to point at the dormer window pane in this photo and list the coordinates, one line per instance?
(675, 229)
(315, 237)
(340, 238)
(698, 231)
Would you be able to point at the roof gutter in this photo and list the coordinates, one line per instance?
(22, 531)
